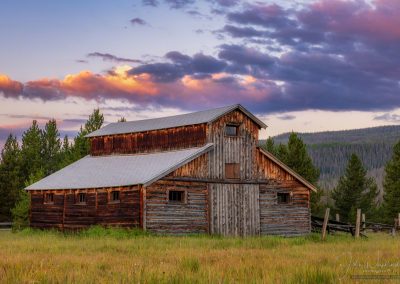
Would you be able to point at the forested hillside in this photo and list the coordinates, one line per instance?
(331, 150)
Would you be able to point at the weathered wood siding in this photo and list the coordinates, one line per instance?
(234, 209)
(268, 169)
(150, 141)
(46, 215)
(66, 213)
(165, 217)
(198, 168)
(293, 218)
(284, 219)
(233, 149)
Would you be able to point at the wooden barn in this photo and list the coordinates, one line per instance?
(200, 172)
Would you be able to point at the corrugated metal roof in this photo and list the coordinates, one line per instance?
(170, 121)
(118, 170)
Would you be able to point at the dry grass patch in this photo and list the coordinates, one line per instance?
(105, 256)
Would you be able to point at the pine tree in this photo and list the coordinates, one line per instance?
(51, 148)
(20, 212)
(95, 121)
(10, 177)
(270, 146)
(66, 153)
(122, 119)
(81, 143)
(297, 158)
(31, 151)
(354, 191)
(391, 185)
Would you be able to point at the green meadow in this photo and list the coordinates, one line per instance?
(129, 256)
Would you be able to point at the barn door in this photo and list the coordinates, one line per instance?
(234, 209)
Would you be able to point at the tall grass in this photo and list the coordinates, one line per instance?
(101, 255)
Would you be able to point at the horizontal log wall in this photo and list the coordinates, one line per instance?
(165, 217)
(233, 149)
(284, 219)
(46, 215)
(66, 213)
(234, 209)
(150, 141)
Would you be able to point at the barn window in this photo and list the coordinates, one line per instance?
(232, 170)
(81, 198)
(49, 198)
(115, 196)
(231, 130)
(176, 196)
(283, 197)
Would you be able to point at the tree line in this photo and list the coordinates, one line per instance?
(354, 189)
(41, 153)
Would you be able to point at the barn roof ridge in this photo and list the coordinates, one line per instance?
(193, 118)
(118, 170)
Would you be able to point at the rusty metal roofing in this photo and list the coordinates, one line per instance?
(118, 170)
(193, 118)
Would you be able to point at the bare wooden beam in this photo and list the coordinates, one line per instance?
(326, 219)
(358, 221)
(226, 181)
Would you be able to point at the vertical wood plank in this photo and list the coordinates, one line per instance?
(325, 224)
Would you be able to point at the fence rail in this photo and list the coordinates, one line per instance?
(337, 226)
(5, 225)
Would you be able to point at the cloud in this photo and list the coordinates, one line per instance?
(286, 117)
(325, 55)
(110, 57)
(227, 3)
(388, 117)
(178, 4)
(138, 21)
(8, 87)
(179, 66)
(153, 3)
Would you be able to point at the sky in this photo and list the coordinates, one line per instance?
(305, 66)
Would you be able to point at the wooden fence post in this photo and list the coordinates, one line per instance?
(398, 221)
(337, 217)
(363, 222)
(326, 219)
(357, 234)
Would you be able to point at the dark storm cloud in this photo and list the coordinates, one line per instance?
(110, 57)
(328, 55)
(181, 65)
(138, 21)
(286, 117)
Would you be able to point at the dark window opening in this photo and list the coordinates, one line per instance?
(232, 170)
(82, 198)
(231, 130)
(283, 197)
(49, 198)
(176, 196)
(115, 196)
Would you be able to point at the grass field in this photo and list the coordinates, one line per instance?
(118, 256)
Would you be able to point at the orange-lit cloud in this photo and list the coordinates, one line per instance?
(9, 87)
